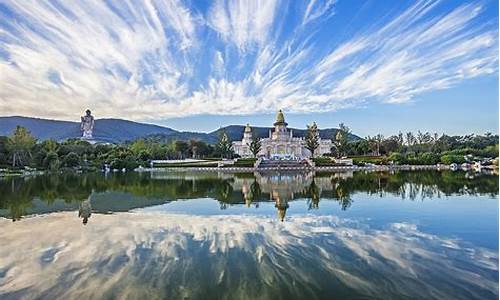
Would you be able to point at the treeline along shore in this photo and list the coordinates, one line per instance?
(21, 153)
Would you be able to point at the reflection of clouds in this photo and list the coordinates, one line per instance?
(145, 254)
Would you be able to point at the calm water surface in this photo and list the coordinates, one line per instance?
(405, 235)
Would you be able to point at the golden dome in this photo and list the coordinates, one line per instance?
(280, 118)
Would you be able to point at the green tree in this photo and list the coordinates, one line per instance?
(182, 148)
(50, 145)
(4, 153)
(428, 158)
(397, 158)
(450, 158)
(51, 161)
(255, 146)
(19, 145)
(312, 138)
(341, 140)
(71, 160)
(391, 144)
(198, 148)
(224, 146)
(138, 146)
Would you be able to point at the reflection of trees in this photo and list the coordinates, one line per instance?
(341, 192)
(255, 191)
(314, 193)
(223, 192)
(412, 185)
(18, 195)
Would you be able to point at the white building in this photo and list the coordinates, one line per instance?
(280, 144)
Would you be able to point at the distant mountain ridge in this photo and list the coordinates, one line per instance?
(119, 130)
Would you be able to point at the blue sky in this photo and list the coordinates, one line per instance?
(378, 66)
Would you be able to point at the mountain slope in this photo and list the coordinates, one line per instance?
(118, 130)
(109, 130)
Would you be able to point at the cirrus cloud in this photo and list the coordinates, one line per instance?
(150, 60)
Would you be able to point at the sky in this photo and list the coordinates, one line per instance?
(378, 66)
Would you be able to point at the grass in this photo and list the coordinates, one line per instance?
(245, 162)
(376, 160)
(324, 162)
(186, 165)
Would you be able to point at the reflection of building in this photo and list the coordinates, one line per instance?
(280, 143)
(281, 205)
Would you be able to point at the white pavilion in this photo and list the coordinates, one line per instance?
(281, 144)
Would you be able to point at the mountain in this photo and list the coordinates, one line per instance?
(107, 130)
(118, 130)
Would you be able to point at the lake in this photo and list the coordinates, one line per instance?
(179, 235)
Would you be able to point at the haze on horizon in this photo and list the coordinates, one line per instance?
(377, 66)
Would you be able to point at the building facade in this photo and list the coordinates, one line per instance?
(280, 144)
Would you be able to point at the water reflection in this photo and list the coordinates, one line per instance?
(135, 245)
(151, 255)
(85, 210)
(123, 192)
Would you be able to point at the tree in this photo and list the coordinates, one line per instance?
(71, 160)
(138, 146)
(20, 144)
(378, 142)
(410, 139)
(50, 145)
(391, 144)
(361, 147)
(198, 148)
(372, 144)
(4, 153)
(224, 146)
(255, 146)
(341, 140)
(51, 161)
(397, 158)
(312, 138)
(182, 148)
(450, 158)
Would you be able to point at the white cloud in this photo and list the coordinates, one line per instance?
(244, 23)
(157, 59)
(162, 253)
(318, 8)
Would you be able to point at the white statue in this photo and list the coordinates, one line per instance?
(87, 125)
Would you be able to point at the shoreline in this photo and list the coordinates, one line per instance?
(373, 168)
(299, 169)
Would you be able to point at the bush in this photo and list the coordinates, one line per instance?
(361, 160)
(398, 158)
(323, 161)
(51, 161)
(144, 155)
(187, 165)
(489, 151)
(428, 158)
(128, 163)
(71, 160)
(450, 158)
(245, 162)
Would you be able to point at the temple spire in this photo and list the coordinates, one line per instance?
(280, 118)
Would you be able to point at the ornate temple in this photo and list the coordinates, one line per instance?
(281, 144)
